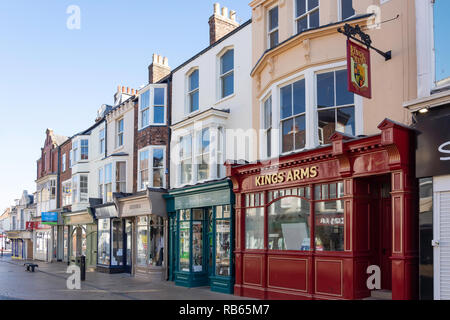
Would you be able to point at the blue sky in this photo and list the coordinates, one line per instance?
(53, 77)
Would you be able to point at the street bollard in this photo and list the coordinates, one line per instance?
(83, 268)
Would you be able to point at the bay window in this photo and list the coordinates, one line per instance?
(83, 188)
(292, 114)
(307, 14)
(151, 167)
(75, 180)
(335, 105)
(203, 154)
(193, 91)
(75, 152)
(227, 74)
(108, 183)
(346, 9)
(273, 27)
(67, 193)
(152, 106)
(186, 158)
(100, 183)
(121, 176)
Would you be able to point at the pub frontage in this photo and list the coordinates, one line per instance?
(309, 224)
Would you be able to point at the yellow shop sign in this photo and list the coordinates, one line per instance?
(287, 176)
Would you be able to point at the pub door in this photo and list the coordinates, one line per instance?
(386, 244)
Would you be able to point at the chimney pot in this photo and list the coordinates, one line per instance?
(128, 90)
(123, 89)
(216, 8)
(233, 15)
(155, 58)
(166, 61)
(225, 12)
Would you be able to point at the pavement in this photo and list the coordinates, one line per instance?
(48, 282)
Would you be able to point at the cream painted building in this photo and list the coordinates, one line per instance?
(299, 73)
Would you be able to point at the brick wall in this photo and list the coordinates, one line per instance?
(67, 174)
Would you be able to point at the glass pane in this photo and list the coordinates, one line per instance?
(300, 133)
(193, 80)
(142, 241)
(325, 192)
(333, 193)
(159, 96)
(299, 97)
(314, 20)
(268, 113)
(219, 212)
(186, 171)
(273, 39)
(158, 116)
(288, 224)
(158, 176)
(184, 246)
(197, 246)
(228, 85)
(145, 100)
(325, 90)
(145, 118)
(273, 18)
(441, 43)
(425, 238)
(317, 189)
(194, 101)
(346, 120)
(343, 96)
(186, 146)
(227, 61)
(203, 167)
(143, 160)
(288, 135)
(223, 248)
(197, 214)
(312, 4)
(104, 241)
(158, 158)
(347, 9)
(301, 7)
(185, 214)
(254, 228)
(117, 255)
(340, 189)
(286, 101)
(156, 250)
(302, 24)
(326, 125)
(329, 227)
(205, 141)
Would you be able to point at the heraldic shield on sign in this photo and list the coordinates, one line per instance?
(358, 70)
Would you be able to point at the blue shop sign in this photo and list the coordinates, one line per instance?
(50, 218)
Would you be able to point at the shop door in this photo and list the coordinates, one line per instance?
(386, 244)
(441, 243)
(210, 241)
(128, 245)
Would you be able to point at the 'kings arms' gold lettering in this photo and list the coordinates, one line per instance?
(292, 175)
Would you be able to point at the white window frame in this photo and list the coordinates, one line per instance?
(52, 189)
(270, 31)
(311, 110)
(66, 196)
(190, 92)
(105, 195)
(266, 130)
(75, 189)
(101, 180)
(340, 7)
(306, 14)
(115, 175)
(86, 194)
(101, 138)
(63, 164)
(81, 148)
(150, 167)
(180, 173)
(223, 75)
(70, 159)
(120, 135)
(75, 152)
(151, 107)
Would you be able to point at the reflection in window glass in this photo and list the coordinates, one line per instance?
(223, 248)
(142, 241)
(184, 244)
(117, 232)
(254, 228)
(197, 246)
(289, 225)
(329, 226)
(103, 235)
(347, 9)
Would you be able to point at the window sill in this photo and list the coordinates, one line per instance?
(153, 125)
(229, 97)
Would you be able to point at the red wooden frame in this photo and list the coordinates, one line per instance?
(269, 274)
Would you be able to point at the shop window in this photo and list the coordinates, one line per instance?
(117, 243)
(223, 240)
(203, 154)
(142, 241)
(186, 159)
(197, 240)
(442, 63)
(121, 176)
(307, 14)
(193, 91)
(329, 217)
(346, 9)
(227, 74)
(267, 125)
(335, 105)
(104, 245)
(185, 237)
(273, 27)
(254, 228)
(292, 116)
(289, 224)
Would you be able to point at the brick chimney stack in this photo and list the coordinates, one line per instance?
(221, 23)
(158, 69)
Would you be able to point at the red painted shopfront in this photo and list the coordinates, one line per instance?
(309, 224)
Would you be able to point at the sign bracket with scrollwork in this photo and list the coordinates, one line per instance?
(364, 38)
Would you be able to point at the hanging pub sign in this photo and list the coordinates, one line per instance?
(358, 70)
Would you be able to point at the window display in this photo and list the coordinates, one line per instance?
(117, 249)
(197, 241)
(254, 228)
(289, 221)
(223, 240)
(142, 241)
(103, 235)
(184, 240)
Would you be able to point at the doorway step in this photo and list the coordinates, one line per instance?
(380, 295)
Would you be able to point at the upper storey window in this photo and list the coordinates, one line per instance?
(441, 47)
(346, 9)
(273, 27)
(307, 14)
(152, 106)
(227, 74)
(193, 91)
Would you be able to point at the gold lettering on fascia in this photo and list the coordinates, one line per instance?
(287, 176)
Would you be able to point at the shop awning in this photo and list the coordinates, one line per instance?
(77, 218)
(105, 211)
(143, 203)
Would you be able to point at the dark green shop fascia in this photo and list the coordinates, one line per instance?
(213, 198)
